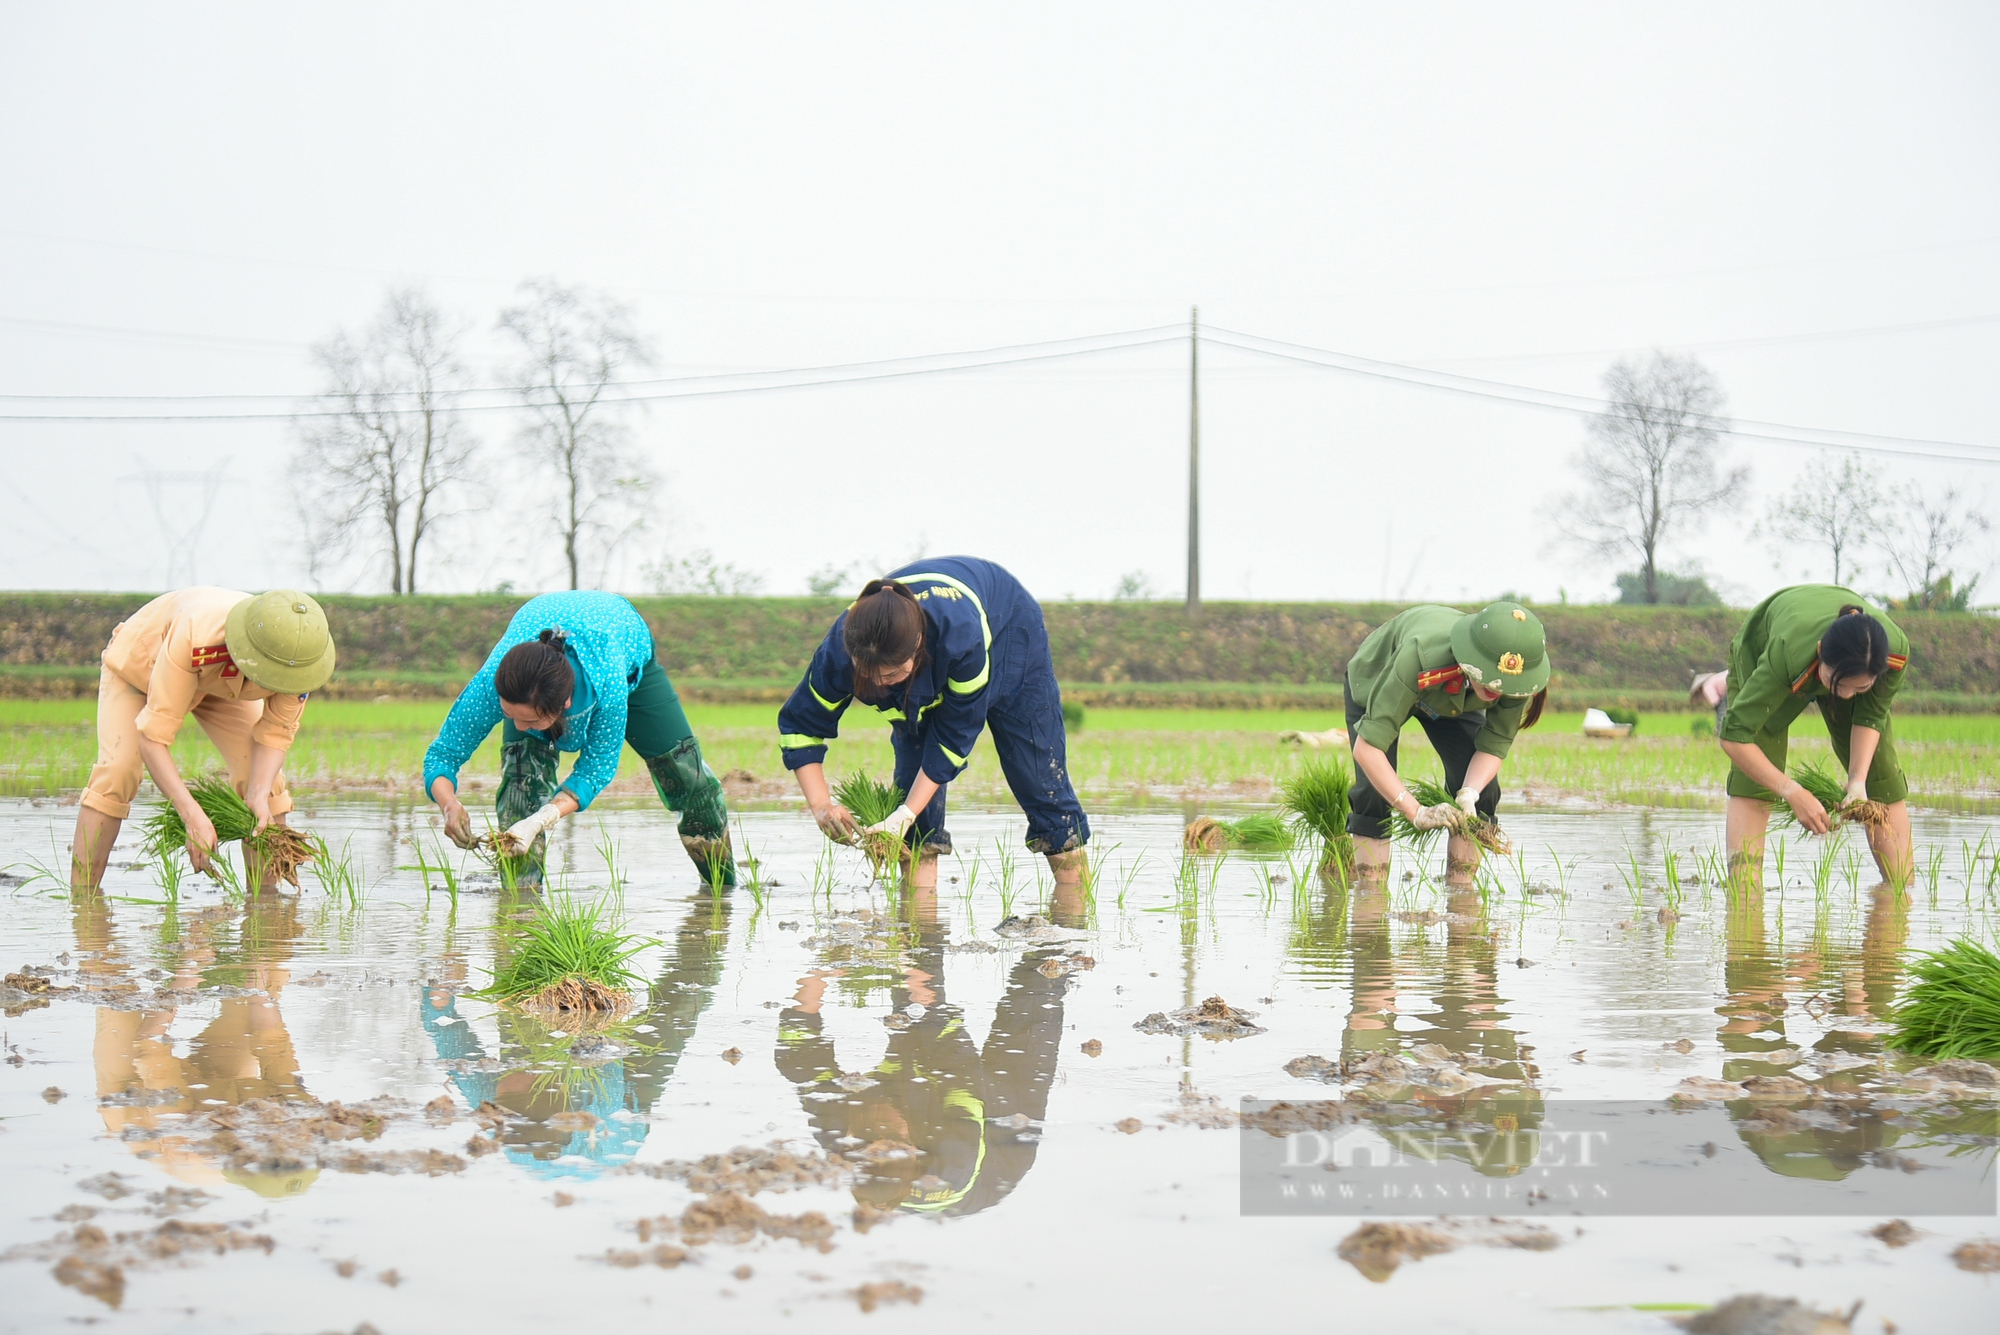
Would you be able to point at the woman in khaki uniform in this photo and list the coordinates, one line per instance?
(241, 665)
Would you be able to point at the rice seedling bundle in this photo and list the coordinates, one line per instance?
(871, 801)
(1831, 792)
(1260, 833)
(572, 957)
(1319, 798)
(1430, 793)
(1952, 1009)
(280, 850)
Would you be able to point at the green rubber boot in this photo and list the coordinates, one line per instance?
(527, 782)
(689, 787)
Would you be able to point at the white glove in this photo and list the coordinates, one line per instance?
(1443, 816)
(517, 838)
(1468, 801)
(896, 824)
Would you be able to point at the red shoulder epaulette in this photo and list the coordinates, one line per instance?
(209, 655)
(1805, 678)
(1451, 678)
(1897, 662)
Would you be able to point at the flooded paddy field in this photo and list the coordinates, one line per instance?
(841, 1104)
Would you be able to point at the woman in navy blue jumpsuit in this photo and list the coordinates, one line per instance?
(943, 648)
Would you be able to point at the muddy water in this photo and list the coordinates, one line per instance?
(171, 1142)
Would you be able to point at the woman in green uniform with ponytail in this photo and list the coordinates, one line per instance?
(1814, 644)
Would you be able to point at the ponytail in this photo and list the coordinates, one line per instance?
(885, 629)
(1855, 645)
(1533, 713)
(537, 673)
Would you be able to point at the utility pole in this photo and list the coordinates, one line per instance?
(1194, 460)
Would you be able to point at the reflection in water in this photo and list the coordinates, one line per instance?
(244, 1053)
(944, 1122)
(1825, 1141)
(547, 1076)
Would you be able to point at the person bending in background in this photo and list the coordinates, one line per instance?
(1472, 680)
(943, 648)
(1813, 644)
(242, 666)
(576, 672)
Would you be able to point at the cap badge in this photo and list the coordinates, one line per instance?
(1512, 664)
(1520, 614)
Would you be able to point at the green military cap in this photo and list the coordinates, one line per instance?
(280, 641)
(1503, 647)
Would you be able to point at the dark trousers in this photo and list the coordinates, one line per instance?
(1368, 817)
(1026, 724)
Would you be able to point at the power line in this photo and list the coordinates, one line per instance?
(696, 393)
(614, 384)
(1762, 341)
(1500, 389)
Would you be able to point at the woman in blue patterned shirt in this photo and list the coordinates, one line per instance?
(576, 672)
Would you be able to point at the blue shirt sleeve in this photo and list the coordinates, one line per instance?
(471, 718)
(811, 717)
(960, 713)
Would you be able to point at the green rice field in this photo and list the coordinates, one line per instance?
(1120, 755)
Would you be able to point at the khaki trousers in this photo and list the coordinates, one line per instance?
(114, 780)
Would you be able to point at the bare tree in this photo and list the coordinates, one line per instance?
(1839, 510)
(1649, 470)
(382, 467)
(573, 343)
(1927, 533)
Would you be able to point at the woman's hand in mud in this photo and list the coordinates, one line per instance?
(458, 826)
(1443, 816)
(836, 822)
(200, 837)
(1807, 808)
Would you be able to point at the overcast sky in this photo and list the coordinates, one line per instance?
(194, 196)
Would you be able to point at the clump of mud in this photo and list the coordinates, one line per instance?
(288, 1141)
(1981, 1257)
(1379, 1247)
(749, 1171)
(94, 1262)
(873, 1295)
(1032, 928)
(1761, 1314)
(1895, 1233)
(732, 1217)
(1427, 1068)
(1214, 1019)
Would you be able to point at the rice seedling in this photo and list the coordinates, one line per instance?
(607, 850)
(1831, 792)
(446, 874)
(1319, 797)
(572, 957)
(335, 873)
(750, 862)
(1564, 871)
(1634, 877)
(1778, 862)
(824, 874)
(1952, 1008)
(1671, 891)
(871, 801)
(1008, 870)
(1933, 872)
(1822, 869)
(1258, 833)
(1430, 793)
(276, 853)
(1128, 874)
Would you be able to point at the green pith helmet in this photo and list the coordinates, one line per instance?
(280, 641)
(1503, 647)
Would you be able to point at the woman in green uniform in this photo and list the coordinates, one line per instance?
(1825, 644)
(1472, 681)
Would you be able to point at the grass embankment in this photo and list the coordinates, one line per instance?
(47, 746)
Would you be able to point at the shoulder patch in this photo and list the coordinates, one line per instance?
(214, 655)
(1806, 678)
(1897, 662)
(1440, 677)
